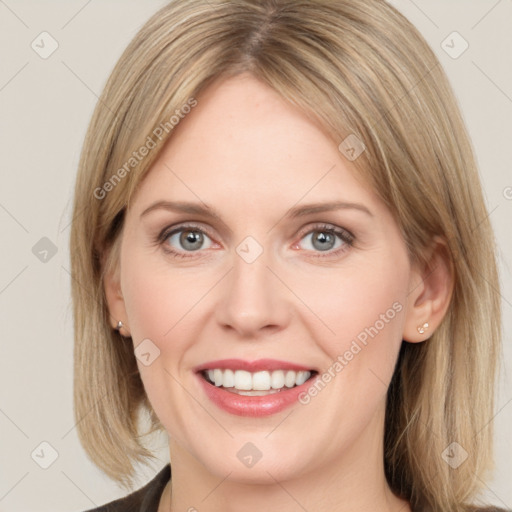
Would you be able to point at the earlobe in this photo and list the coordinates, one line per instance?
(430, 292)
(115, 303)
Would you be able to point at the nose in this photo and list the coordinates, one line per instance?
(254, 301)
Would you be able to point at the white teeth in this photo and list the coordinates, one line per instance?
(243, 380)
(277, 379)
(258, 381)
(228, 379)
(302, 377)
(261, 381)
(217, 377)
(289, 379)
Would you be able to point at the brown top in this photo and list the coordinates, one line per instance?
(147, 498)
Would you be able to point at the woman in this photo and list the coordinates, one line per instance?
(280, 251)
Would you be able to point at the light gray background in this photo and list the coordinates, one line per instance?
(46, 105)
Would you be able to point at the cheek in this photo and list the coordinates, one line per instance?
(159, 305)
(155, 297)
(363, 305)
(149, 305)
(165, 305)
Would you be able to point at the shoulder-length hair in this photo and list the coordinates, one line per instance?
(359, 68)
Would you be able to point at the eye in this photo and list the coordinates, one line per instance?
(184, 239)
(327, 239)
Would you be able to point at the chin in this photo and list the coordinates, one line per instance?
(248, 464)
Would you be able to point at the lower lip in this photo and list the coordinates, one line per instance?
(254, 406)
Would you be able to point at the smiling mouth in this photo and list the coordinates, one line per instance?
(259, 383)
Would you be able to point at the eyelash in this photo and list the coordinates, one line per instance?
(346, 237)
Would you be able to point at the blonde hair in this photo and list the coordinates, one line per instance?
(356, 67)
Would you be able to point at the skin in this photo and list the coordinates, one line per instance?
(251, 156)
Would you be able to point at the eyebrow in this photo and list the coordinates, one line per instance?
(297, 211)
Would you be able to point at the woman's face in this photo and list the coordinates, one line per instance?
(266, 288)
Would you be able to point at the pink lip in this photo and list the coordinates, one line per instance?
(251, 366)
(253, 406)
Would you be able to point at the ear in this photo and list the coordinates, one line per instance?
(430, 292)
(115, 300)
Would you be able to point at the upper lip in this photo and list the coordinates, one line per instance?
(251, 366)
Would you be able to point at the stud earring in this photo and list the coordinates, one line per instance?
(119, 325)
(423, 328)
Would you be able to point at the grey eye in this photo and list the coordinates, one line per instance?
(188, 239)
(323, 240)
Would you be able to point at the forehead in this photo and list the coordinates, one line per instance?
(243, 142)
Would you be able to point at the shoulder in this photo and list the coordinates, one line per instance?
(146, 499)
